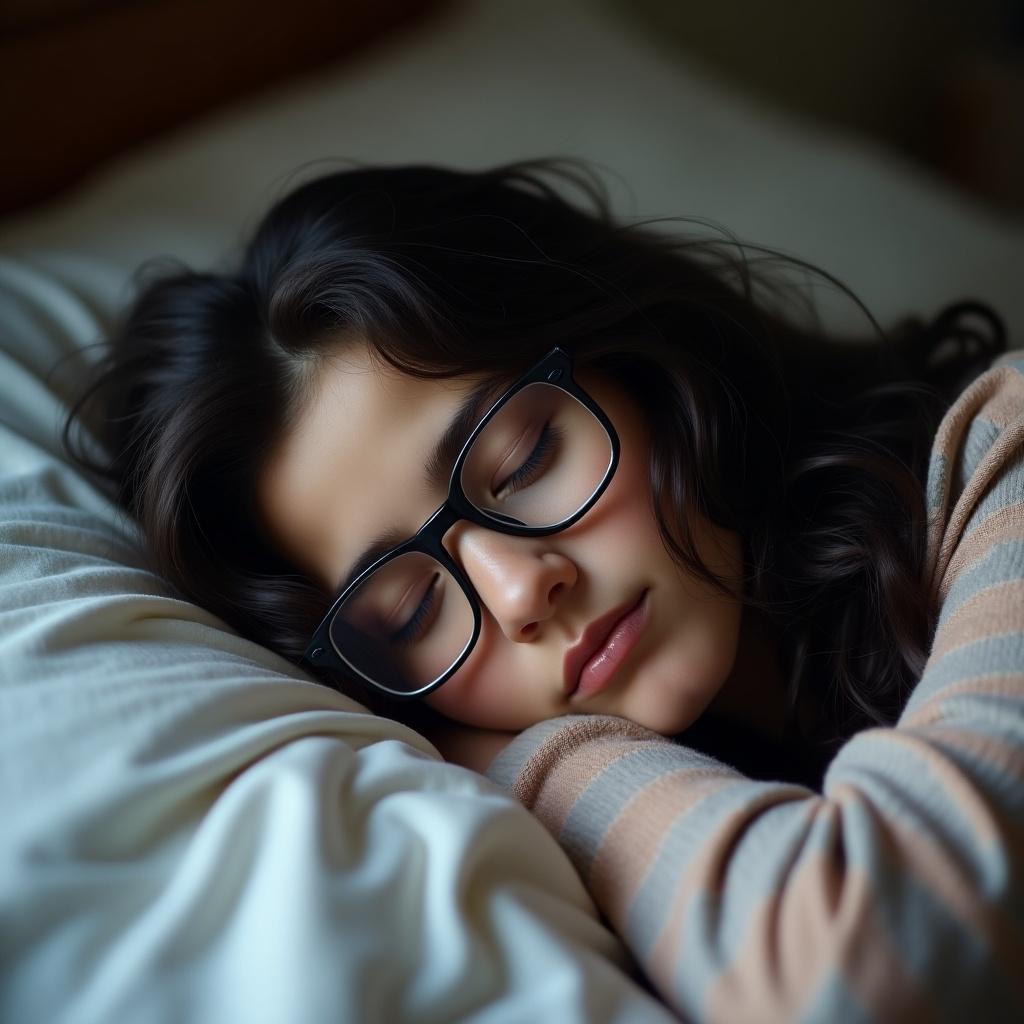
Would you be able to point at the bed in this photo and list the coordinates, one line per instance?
(193, 828)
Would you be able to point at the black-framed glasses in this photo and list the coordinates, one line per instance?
(534, 465)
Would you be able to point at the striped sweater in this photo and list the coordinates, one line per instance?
(897, 892)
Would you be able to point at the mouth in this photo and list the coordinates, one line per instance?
(591, 663)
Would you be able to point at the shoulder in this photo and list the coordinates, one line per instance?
(976, 474)
(989, 407)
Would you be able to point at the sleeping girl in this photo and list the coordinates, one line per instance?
(733, 605)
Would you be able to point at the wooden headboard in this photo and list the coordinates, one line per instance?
(82, 80)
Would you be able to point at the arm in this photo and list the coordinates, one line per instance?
(896, 894)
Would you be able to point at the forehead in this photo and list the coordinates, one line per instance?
(352, 463)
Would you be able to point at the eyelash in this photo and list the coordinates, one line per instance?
(547, 443)
(411, 630)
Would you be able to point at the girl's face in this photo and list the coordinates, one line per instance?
(353, 466)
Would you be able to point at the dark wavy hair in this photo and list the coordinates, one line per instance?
(813, 448)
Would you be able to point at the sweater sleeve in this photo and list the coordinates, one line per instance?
(897, 893)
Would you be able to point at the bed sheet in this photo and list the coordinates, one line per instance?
(193, 829)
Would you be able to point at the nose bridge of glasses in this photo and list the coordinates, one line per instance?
(442, 520)
(436, 530)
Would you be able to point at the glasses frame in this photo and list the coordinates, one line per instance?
(556, 369)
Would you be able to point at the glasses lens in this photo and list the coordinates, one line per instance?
(405, 625)
(539, 460)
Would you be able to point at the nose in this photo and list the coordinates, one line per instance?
(517, 579)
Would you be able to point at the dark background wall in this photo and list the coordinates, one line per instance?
(941, 81)
(84, 80)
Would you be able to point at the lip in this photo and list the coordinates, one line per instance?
(607, 640)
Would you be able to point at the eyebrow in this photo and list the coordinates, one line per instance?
(437, 471)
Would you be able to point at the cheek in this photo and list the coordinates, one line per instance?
(622, 525)
(483, 692)
(697, 658)
(701, 641)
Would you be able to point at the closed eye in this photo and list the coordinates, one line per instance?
(417, 624)
(535, 464)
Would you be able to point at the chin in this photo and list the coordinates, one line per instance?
(665, 725)
(669, 708)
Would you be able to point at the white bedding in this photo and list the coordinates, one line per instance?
(192, 829)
